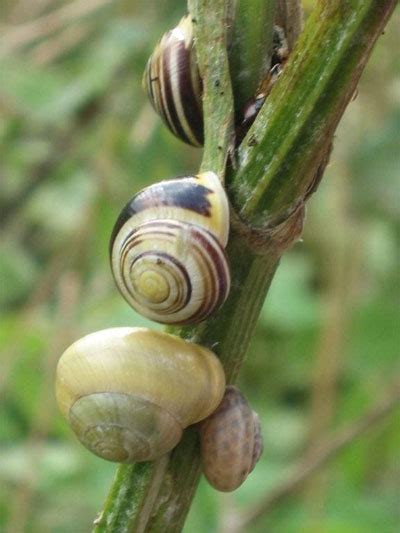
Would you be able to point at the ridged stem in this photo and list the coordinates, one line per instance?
(211, 36)
(291, 133)
(250, 48)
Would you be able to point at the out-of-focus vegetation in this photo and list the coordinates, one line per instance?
(77, 140)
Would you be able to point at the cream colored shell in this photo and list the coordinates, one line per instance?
(138, 369)
(167, 249)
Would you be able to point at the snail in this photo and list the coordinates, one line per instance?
(230, 442)
(175, 90)
(173, 84)
(167, 249)
(128, 393)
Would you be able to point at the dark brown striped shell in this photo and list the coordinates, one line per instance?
(173, 84)
(167, 249)
(231, 442)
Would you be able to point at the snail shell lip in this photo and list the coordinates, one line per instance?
(199, 199)
(231, 442)
(258, 441)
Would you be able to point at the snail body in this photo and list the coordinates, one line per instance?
(128, 393)
(167, 249)
(231, 442)
(173, 83)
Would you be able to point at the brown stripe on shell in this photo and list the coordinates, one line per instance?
(258, 441)
(190, 100)
(176, 193)
(208, 255)
(147, 231)
(217, 263)
(163, 108)
(168, 76)
(173, 66)
(210, 288)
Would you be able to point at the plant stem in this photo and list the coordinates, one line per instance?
(277, 162)
(210, 34)
(281, 152)
(289, 16)
(250, 50)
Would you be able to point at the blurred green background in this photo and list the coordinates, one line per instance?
(77, 139)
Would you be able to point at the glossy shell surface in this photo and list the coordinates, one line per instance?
(173, 84)
(129, 392)
(167, 249)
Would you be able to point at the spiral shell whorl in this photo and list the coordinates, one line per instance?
(167, 253)
(173, 272)
(173, 84)
(118, 427)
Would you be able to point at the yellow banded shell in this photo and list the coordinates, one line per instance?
(128, 393)
(167, 249)
(175, 89)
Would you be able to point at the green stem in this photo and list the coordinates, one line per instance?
(277, 162)
(282, 150)
(123, 510)
(289, 16)
(250, 50)
(210, 34)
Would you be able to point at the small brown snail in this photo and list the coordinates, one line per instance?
(231, 442)
(173, 83)
(167, 249)
(128, 393)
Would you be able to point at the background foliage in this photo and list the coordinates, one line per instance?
(77, 140)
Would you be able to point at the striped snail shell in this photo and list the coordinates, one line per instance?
(167, 249)
(128, 393)
(231, 442)
(173, 84)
